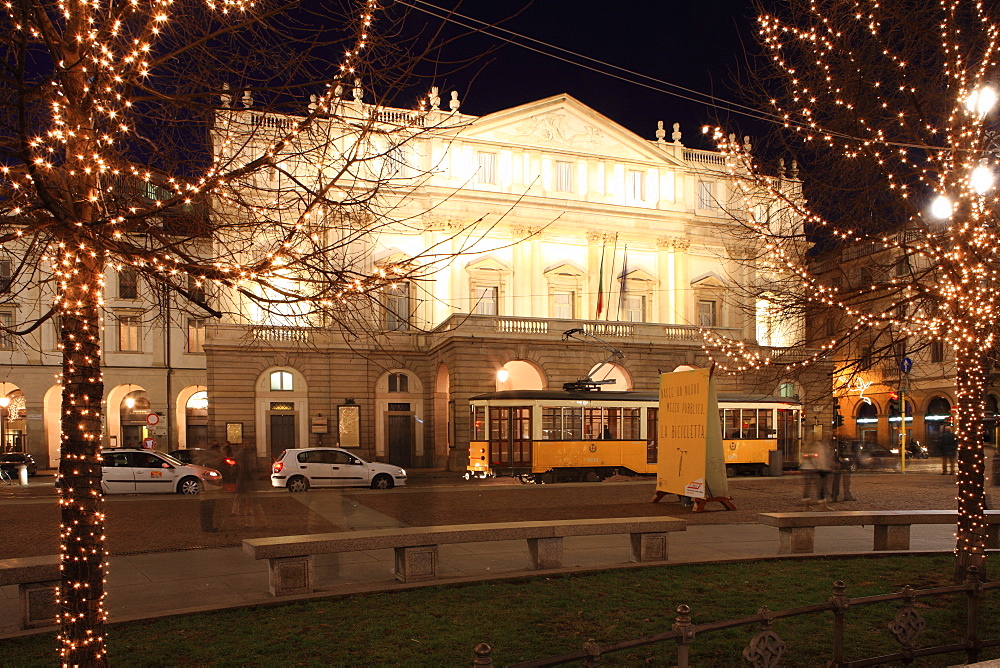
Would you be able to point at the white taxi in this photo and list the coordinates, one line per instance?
(127, 471)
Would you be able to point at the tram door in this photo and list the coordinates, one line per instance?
(789, 427)
(510, 437)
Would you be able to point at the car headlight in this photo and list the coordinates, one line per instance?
(212, 474)
(402, 472)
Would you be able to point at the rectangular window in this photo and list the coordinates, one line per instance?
(479, 423)
(561, 423)
(6, 322)
(128, 333)
(563, 305)
(396, 162)
(706, 195)
(707, 313)
(196, 335)
(5, 275)
(487, 167)
(128, 283)
(397, 307)
(636, 185)
(399, 382)
(564, 177)
(635, 308)
(630, 424)
(486, 300)
(937, 351)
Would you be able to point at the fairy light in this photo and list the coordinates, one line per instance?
(952, 294)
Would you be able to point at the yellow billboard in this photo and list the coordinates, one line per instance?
(690, 458)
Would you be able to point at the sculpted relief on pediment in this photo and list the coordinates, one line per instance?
(561, 130)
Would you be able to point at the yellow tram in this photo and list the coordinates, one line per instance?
(549, 435)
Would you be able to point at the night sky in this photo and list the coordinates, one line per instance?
(697, 45)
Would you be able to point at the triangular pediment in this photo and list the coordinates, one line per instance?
(565, 268)
(487, 263)
(637, 274)
(709, 280)
(564, 124)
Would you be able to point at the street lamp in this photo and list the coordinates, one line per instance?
(503, 375)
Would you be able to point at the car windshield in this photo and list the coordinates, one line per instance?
(11, 458)
(172, 460)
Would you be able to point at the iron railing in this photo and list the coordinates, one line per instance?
(766, 647)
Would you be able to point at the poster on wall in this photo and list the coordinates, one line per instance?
(349, 425)
(690, 458)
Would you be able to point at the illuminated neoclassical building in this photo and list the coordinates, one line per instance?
(582, 225)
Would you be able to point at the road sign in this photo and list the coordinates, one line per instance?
(905, 365)
(149, 444)
(152, 419)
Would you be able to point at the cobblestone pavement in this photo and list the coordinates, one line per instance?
(151, 523)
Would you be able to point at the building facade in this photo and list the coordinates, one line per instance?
(552, 218)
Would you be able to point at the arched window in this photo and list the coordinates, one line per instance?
(399, 382)
(281, 381)
(786, 390)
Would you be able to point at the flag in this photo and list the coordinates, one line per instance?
(621, 286)
(600, 287)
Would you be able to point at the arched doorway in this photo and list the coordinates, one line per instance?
(622, 379)
(133, 410)
(282, 404)
(399, 431)
(519, 375)
(937, 415)
(866, 421)
(444, 418)
(196, 420)
(13, 414)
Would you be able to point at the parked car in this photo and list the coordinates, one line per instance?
(302, 468)
(10, 462)
(875, 456)
(125, 471)
(212, 458)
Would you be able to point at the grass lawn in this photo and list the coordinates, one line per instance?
(530, 618)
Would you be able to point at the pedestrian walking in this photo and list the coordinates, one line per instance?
(948, 445)
(844, 462)
(817, 463)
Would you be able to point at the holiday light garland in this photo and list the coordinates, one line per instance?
(952, 293)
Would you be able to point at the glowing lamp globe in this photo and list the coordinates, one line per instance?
(981, 179)
(981, 100)
(941, 207)
(503, 375)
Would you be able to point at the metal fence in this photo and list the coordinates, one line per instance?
(766, 647)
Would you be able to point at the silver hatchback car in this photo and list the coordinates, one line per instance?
(302, 468)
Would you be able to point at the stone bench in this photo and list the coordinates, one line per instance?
(797, 531)
(36, 579)
(290, 558)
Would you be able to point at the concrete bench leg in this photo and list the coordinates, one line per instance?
(417, 564)
(892, 537)
(290, 575)
(545, 553)
(796, 540)
(649, 546)
(38, 604)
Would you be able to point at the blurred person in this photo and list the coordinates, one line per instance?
(245, 505)
(844, 462)
(948, 445)
(817, 463)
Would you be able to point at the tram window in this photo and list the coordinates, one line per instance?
(612, 428)
(593, 422)
(749, 426)
(478, 423)
(630, 424)
(551, 423)
(573, 423)
(765, 423)
(731, 423)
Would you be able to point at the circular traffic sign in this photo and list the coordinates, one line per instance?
(905, 365)
(152, 419)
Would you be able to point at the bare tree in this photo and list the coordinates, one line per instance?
(888, 108)
(125, 150)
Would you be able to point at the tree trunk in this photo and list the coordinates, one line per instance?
(971, 365)
(83, 555)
